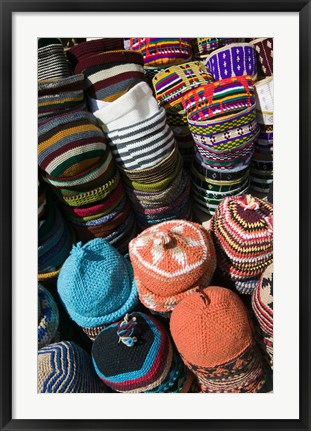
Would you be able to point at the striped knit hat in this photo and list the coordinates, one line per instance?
(66, 368)
(212, 332)
(48, 317)
(262, 303)
(233, 60)
(137, 355)
(164, 51)
(96, 285)
(109, 75)
(242, 229)
(57, 96)
(52, 62)
(170, 261)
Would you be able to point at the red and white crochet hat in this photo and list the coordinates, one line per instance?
(170, 261)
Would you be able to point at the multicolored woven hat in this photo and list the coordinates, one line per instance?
(66, 368)
(262, 303)
(96, 285)
(233, 60)
(48, 317)
(242, 229)
(213, 333)
(164, 51)
(204, 45)
(170, 261)
(137, 355)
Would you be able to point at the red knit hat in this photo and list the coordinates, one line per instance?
(213, 333)
(170, 261)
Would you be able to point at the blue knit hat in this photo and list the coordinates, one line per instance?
(96, 284)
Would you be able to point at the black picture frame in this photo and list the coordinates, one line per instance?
(6, 13)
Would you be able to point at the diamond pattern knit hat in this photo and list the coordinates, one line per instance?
(213, 334)
(264, 49)
(66, 368)
(96, 285)
(137, 355)
(242, 230)
(170, 261)
(262, 303)
(48, 317)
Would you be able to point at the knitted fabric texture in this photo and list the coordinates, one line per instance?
(233, 60)
(170, 261)
(48, 317)
(204, 45)
(212, 332)
(165, 51)
(66, 368)
(136, 355)
(242, 229)
(96, 284)
(262, 304)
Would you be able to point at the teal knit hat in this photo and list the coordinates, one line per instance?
(96, 284)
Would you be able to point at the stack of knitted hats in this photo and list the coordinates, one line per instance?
(145, 151)
(170, 84)
(55, 239)
(137, 355)
(222, 119)
(78, 165)
(109, 70)
(48, 317)
(159, 53)
(213, 334)
(96, 286)
(171, 261)
(65, 367)
(262, 163)
(52, 63)
(242, 230)
(262, 303)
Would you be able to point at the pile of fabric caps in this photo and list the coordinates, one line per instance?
(137, 292)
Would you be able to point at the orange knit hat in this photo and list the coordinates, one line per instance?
(213, 333)
(170, 261)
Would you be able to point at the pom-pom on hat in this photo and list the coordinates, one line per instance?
(48, 317)
(213, 333)
(136, 355)
(96, 284)
(66, 368)
(171, 260)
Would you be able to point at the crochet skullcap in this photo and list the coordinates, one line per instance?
(170, 260)
(96, 284)
(262, 304)
(242, 229)
(66, 368)
(212, 332)
(136, 355)
(48, 317)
